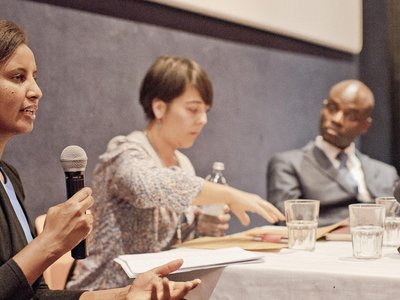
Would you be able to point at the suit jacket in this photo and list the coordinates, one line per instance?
(13, 283)
(307, 173)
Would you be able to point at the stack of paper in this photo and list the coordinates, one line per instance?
(194, 259)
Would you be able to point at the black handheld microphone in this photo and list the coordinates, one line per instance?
(73, 160)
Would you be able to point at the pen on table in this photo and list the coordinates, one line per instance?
(271, 238)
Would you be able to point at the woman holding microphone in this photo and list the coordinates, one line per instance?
(23, 256)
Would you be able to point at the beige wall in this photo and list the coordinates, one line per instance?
(335, 23)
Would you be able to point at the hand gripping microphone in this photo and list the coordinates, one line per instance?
(73, 160)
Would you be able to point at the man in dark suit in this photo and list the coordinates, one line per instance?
(330, 168)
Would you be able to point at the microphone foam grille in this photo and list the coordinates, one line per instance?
(73, 158)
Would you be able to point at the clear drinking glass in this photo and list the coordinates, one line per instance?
(366, 227)
(391, 235)
(302, 222)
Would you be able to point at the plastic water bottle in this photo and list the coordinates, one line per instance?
(217, 177)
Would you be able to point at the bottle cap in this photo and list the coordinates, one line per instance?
(218, 166)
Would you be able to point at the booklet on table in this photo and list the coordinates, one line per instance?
(194, 259)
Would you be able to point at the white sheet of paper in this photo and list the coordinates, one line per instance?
(194, 259)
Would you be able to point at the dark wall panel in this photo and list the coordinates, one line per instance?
(267, 99)
(375, 72)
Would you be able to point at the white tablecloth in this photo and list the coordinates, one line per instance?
(328, 272)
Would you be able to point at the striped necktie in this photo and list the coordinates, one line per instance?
(344, 172)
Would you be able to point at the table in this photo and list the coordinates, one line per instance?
(328, 272)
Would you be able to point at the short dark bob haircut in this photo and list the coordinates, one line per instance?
(168, 78)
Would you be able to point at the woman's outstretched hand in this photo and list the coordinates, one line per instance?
(243, 202)
(239, 202)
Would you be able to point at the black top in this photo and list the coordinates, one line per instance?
(13, 284)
